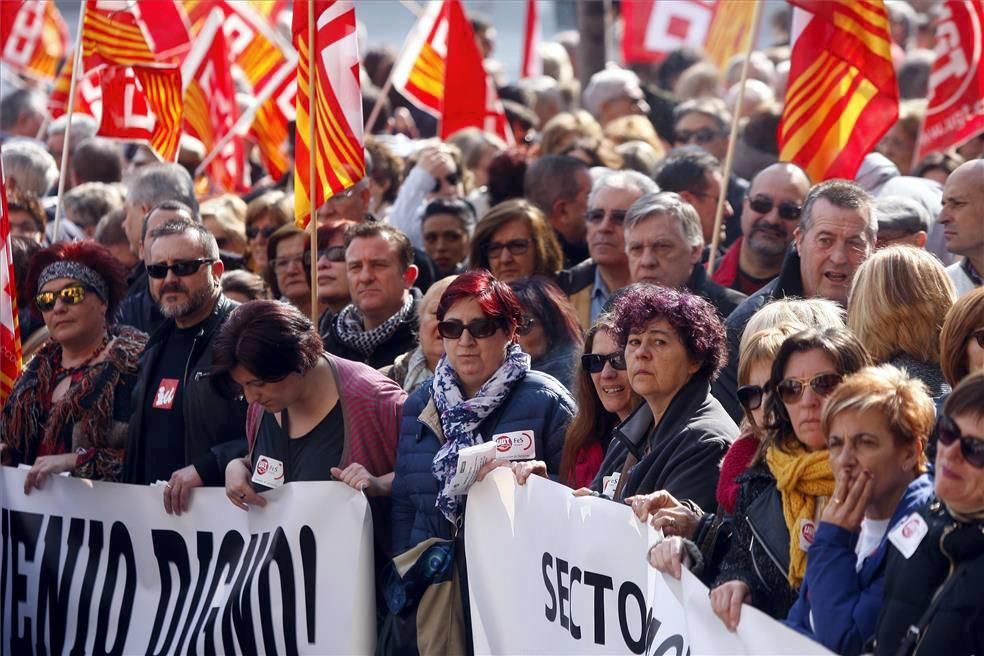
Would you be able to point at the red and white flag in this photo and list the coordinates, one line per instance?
(419, 72)
(143, 103)
(532, 64)
(10, 343)
(34, 37)
(475, 101)
(122, 32)
(956, 95)
(88, 92)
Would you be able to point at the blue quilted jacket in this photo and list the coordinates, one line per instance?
(537, 402)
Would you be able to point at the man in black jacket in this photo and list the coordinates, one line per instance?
(381, 322)
(181, 428)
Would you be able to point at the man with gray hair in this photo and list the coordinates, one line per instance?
(838, 230)
(28, 167)
(83, 127)
(664, 243)
(592, 282)
(182, 430)
(149, 187)
(559, 186)
(613, 93)
(901, 220)
(22, 113)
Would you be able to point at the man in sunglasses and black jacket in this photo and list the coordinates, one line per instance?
(182, 431)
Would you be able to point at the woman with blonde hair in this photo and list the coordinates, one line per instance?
(899, 298)
(513, 240)
(565, 128)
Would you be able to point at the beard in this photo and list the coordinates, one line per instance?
(764, 246)
(196, 301)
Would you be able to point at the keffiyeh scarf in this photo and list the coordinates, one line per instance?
(352, 333)
(461, 417)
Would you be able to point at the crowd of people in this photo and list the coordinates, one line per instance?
(803, 422)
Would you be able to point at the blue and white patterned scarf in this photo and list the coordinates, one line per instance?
(460, 417)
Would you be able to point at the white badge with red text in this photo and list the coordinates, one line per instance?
(164, 399)
(808, 530)
(269, 472)
(517, 445)
(610, 484)
(908, 534)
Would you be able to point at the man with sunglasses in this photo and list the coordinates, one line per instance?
(182, 431)
(770, 214)
(592, 282)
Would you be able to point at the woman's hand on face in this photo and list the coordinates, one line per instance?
(237, 486)
(848, 502)
(726, 601)
(668, 556)
(522, 469)
(46, 465)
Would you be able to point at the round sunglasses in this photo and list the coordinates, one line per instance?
(750, 396)
(791, 389)
(971, 446)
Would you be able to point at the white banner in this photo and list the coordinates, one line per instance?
(550, 573)
(99, 568)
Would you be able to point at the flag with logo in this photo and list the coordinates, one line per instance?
(475, 102)
(337, 150)
(34, 37)
(10, 343)
(143, 103)
(842, 95)
(956, 95)
(121, 32)
(88, 92)
(418, 74)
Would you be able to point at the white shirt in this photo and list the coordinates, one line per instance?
(872, 532)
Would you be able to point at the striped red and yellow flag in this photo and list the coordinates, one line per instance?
(111, 38)
(842, 95)
(729, 33)
(87, 92)
(419, 72)
(337, 149)
(34, 37)
(143, 103)
(10, 342)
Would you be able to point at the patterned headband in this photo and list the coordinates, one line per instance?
(76, 271)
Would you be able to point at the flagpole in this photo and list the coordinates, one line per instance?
(66, 143)
(312, 154)
(728, 160)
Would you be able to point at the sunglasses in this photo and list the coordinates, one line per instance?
(71, 295)
(750, 396)
(788, 210)
(598, 216)
(252, 232)
(971, 447)
(515, 247)
(452, 179)
(594, 363)
(479, 328)
(791, 389)
(701, 136)
(181, 269)
(332, 254)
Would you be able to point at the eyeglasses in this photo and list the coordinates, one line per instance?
(452, 179)
(332, 254)
(285, 263)
(515, 247)
(594, 363)
(788, 210)
(701, 136)
(181, 269)
(479, 328)
(750, 396)
(71, 295)
(252, 232)
(791, 389)
(598, 216)
(971, 447)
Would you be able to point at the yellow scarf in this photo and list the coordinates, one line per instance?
(801, 477)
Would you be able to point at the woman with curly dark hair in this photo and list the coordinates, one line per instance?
(674, 347)
(69, 410)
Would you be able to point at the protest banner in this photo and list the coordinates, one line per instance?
(99, 568)
(550, 573)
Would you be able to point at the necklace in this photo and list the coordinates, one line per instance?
(61, 372)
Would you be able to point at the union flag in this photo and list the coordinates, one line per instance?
(88, 93)
(10, 342)
(842, 95)
(419, 72)
(34, 37)
(143, 103)
(122, 32)
(338, 155)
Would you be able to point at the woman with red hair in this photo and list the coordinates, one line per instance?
(69, 410)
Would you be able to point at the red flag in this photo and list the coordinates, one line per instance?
(143, 103)
(210, 110)
(337, 151)
(418, 74)
(842, 95)
(121, 32)
(956, 109)
(34, 37)
(10, 342)
(269, 128)
(88, 93)
(475, 102)
(532, 65)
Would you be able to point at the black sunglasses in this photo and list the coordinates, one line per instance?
(452, 179)
(971, 447)
(788, 210)
(479, 328)
(332, 253)
(750, 396)
(71, 295)
(594, 363)
(515, 247)
(701, 136)
(791, 389)
(598, 216)
(253, 231)
(181, 269)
